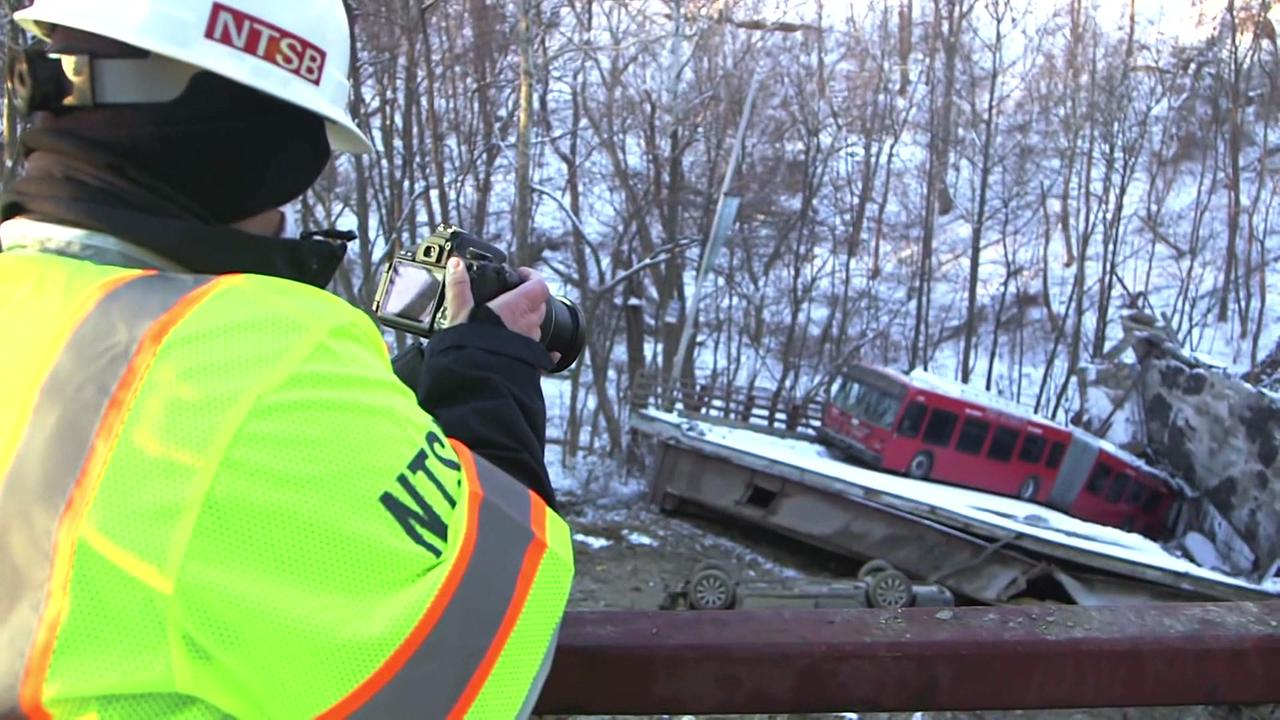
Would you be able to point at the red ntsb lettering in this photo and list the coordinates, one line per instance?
(266, 41)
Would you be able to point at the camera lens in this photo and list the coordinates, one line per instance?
(562, 332)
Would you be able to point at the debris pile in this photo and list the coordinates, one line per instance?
(1214, 431)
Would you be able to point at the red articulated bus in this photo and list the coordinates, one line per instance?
(925, 427)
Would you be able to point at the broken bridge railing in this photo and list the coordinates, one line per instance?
(969, 658)
(758, 409)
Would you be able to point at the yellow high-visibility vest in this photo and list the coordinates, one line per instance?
(216, 499)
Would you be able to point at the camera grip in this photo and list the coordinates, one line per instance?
(489, 280)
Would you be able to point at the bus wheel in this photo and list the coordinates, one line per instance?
(920, 466)
(890, 589)
(1030, 488)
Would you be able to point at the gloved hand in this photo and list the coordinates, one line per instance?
(521, 309)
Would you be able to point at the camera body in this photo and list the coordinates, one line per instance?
(411, 293)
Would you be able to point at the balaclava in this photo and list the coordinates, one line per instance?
(231, 150)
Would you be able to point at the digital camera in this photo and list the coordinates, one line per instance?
(411, 292)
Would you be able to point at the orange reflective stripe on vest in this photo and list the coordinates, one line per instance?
(54, 474)
(440, 668)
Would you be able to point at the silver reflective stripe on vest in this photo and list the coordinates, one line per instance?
(540, 679)
(431, 682)
(63, 426)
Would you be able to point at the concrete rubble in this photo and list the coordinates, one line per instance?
(1216, 433)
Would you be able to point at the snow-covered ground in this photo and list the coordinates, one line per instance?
(996, 511)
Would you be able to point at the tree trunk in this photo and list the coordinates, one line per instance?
(523, 255)
(12, 156)
(984, 181)
(484, 27)
(1234, 142)
(366, 288)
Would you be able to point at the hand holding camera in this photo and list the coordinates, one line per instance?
(522, 309)
(424, 290)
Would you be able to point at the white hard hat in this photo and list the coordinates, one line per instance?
(297, 51)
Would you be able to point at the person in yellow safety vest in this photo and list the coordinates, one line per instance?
(216, 496)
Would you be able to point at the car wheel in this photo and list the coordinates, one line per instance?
(890, 589)
(920, 466)
(711, 588)
(871, 567)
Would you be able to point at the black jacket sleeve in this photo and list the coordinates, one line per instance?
(483, 384)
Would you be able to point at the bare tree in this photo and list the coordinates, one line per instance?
(526, 13)
(998, 11)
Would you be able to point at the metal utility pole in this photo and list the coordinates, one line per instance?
(726, 213)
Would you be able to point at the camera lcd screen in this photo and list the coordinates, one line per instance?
(411, 292)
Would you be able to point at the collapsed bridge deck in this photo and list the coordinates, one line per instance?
(987, 547)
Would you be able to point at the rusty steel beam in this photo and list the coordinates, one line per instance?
(974, 658)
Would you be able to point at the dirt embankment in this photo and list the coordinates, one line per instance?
(628, 556)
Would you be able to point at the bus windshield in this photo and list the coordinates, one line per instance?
(872, 403)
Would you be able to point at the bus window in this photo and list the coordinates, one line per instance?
(865, 401)
(1003, 443)
(1032, 448)
(1056, 452)
(940, 427)
(912, 419)
(1153, 501)
(1118, 486)
(973, 435)
(1098, 480)
(841, 395)
(1137, 493)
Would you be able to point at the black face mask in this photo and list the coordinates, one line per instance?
(72, 182)
(231, 150)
